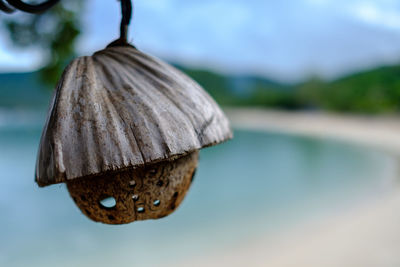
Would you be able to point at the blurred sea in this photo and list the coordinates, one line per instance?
(257, 184)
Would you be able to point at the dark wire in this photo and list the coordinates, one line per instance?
(5, 8)
(126, 7)
(29, 8)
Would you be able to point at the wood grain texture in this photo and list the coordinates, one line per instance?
(121, 109)
(150, 192)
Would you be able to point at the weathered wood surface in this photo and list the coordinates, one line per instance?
(122, 109)
(150, 192)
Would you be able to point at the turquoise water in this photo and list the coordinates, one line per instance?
(256, 184)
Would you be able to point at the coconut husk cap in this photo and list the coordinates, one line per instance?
(121, 109)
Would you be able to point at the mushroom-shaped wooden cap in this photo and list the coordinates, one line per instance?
(122, 110)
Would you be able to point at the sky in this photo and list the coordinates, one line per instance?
(288, 40)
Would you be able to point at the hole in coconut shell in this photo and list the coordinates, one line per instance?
(140, 209)
(132, 183)
(156, 202)
(135, 197)
(107, 202)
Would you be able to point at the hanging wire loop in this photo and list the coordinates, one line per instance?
(13, 5)
(6, 8)
(9, 6)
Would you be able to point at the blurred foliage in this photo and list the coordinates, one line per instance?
(368, 92)
(53, 32)
(244, 90)
(374, 91)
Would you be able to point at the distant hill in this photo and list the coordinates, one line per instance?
(372, 91)
(22, 90)
(25, 89)
(241, 90)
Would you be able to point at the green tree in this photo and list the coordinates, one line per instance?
(53, 32)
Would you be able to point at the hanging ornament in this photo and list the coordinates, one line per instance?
(126, 128)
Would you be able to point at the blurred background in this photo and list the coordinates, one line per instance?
(312, 88)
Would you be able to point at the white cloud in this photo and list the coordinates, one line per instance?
(375, 14)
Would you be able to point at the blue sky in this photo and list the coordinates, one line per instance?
(281, 39)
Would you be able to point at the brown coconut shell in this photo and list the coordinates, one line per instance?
(126, 126)
(150, 192)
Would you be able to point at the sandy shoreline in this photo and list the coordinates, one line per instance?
(381, 132)
(368, 235)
